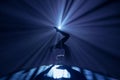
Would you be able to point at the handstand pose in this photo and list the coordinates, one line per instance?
(61, 44)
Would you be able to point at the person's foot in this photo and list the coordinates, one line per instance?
(56, 28)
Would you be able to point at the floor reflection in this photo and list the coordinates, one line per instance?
(55, 72)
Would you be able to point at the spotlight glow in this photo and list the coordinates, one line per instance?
(59, 27)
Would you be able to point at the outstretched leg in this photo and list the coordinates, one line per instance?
(63, 40)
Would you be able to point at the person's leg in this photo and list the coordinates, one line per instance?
(61, 42)
(67, 51)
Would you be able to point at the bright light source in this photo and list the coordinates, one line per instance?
(58, 73)
(59, 27)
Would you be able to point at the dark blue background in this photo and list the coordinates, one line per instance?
(26, 33)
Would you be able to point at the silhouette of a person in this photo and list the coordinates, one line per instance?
(61, 44)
